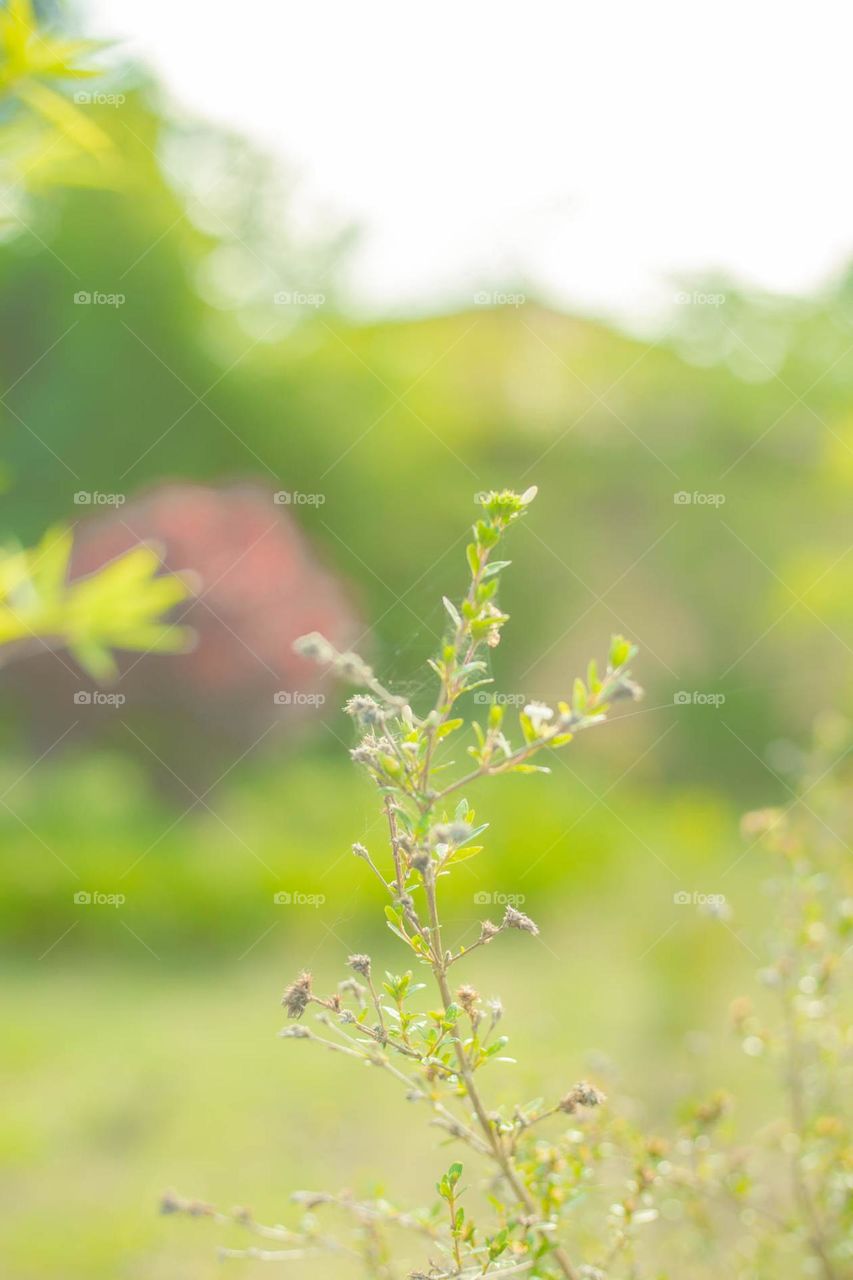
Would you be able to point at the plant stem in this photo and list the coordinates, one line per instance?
(499, 1154)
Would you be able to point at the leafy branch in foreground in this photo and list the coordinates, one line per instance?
(120, 606)
(437, 1054)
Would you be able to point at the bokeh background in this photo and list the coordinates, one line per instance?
(182, 360)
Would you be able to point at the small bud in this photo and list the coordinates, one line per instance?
(360, 851)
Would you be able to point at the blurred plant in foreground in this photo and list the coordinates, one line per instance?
(119, 607)
(47, 138)
(791, 1182)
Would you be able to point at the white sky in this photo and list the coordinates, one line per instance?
(594, 150)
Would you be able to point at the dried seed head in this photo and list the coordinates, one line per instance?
(295, 1033)
(420, 860)
(626, 688)
(365, 752)
(518, 920)
(297, 996)
(451, 833)
(353, 668)
(496, 1009)
(467, 996)
(488, 931)
(350, 987)
(364, 708)
(361, 964)
(360, 851)
(581, 1095)
(171, 1203)
(314, 646)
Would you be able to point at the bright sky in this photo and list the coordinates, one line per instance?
(595, 151)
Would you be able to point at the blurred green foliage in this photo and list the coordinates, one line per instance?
(193, 370)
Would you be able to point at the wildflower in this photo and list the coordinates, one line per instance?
(538, 713)
(493, 635)
(297, 996)
(518, 920)
(581, 1095)
(361, 964)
